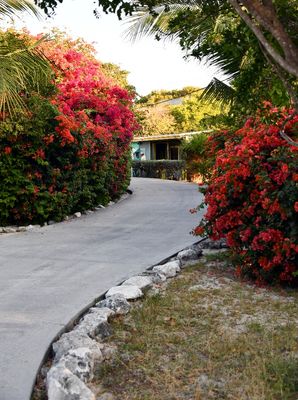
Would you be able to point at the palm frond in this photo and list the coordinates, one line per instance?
(11, 8)
(157, 21)
(22, 70)
(219, 92)
(229, 66)
(145, 22)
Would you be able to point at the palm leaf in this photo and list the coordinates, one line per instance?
(156, 22)
(219, 92)
(11, 8)
(22, 69)
(145, 22)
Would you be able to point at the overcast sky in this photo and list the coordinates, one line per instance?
(152, 65)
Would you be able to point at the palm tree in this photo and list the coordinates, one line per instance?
(157, 22)
(207, 19)
(23, 68)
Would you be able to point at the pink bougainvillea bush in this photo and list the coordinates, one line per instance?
(252, 196)
(71, 150)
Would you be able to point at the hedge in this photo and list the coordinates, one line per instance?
(161, 169)
(71, 150)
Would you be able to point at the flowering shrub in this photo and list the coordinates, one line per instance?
(252, 197)
(72, 150)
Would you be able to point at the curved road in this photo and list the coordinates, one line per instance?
(49, 274)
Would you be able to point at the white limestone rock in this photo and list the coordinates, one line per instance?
(21, 229)
(80, 362)
(187, 255)
(62, 384)
(117, 303)
(142, 282)
(130, 292)
(155, 277)
(32, 227)
(95, 323)
(74, 340)
(77, 214)
(213, 244)
(169, 270)
(9, 229)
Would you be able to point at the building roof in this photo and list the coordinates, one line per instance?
(170, 136)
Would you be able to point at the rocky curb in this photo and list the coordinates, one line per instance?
(78, 352)
(17, 229)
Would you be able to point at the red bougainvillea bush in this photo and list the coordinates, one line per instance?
(252, 197)
(71, 151)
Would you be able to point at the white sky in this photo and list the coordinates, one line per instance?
(152, 65)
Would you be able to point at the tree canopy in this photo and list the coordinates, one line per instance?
(269, 20)
(254, 42)
(173, 111)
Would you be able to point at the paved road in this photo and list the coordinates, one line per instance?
(48, 275)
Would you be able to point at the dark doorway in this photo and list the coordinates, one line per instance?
(174, 153)
(161, 151)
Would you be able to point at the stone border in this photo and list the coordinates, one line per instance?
(78, 214)
(78, 351)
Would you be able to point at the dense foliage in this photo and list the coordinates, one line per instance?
(214, 31)
(254, 42)
(197, 161)
(175, 111)
(252, 196)
(71, 150)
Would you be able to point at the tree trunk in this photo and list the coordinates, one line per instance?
(263, 15)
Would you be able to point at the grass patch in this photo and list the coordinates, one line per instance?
(206, 336)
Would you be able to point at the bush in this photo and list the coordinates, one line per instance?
(72, 150)
(252, 197)
(195, 155)
(161, 169)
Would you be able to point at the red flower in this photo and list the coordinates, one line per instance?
(7, 150)
(199, 230)
(250, 196)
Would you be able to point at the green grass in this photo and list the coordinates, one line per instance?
(231, 341)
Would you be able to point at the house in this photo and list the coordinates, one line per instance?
(160, 147)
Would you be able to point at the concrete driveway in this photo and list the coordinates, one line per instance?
(48, 275)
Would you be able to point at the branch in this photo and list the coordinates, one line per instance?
(283, 133)
(286, 83)
(292, 69)
(264, 12)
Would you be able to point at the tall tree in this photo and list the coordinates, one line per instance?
(214, 30)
